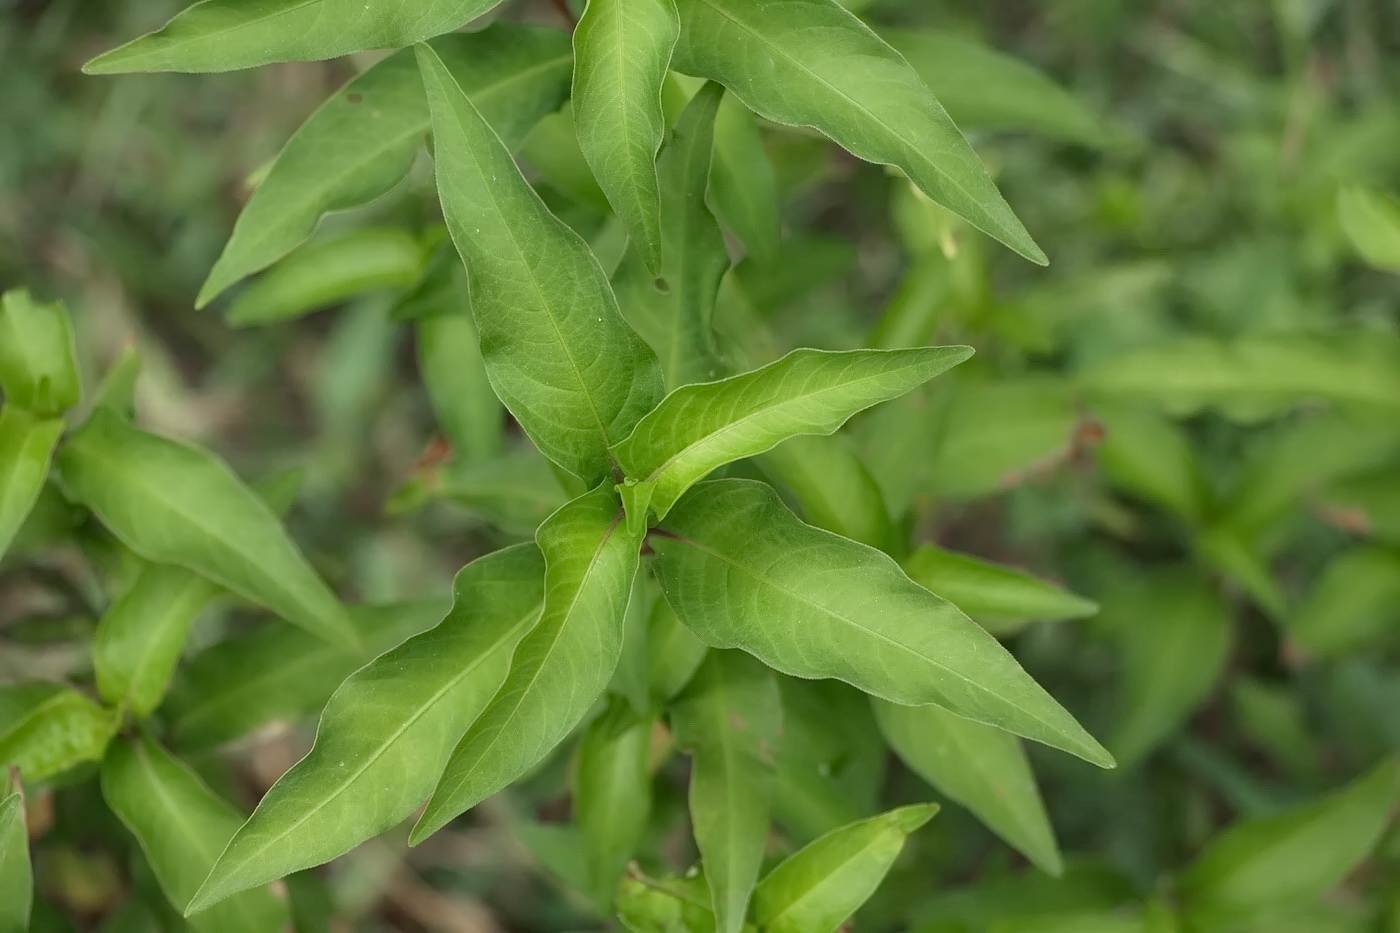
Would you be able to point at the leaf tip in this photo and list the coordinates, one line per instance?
(914, 816)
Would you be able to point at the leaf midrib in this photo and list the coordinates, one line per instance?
(810, 890)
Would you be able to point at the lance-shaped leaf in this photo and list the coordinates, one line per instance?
(699, 428)
(181, 826)
(1351, 605)
(45, 729)
(1371, 220)
(817, 888)
(812, 63)
(361, 142)
(1294, 857)
(729, 719)
(674, 654)
(981, 768)
(556, 348)
(743, 572)
(26, 447)
(176, 504)
(279, 673)
(1000, 598)
(612, 794)
(675, 313)
(16, 875)
(560, 667)
(836, 490)
(38, 368)
(387, 731)
(742, 182)
(449, 359)
(622, 49)
(225, 35)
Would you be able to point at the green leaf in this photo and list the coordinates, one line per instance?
(173, 503)
(27, 443)
(831, 761)
(387, 731)
(675, 312)
(225, 35)
(837, 492)
(984, 88)
(140, 636)
(742, 572)
(743, 189)
(362, 141)
(38, 365)
(1371, 220)
(45, 729)
(1351, 606)
(664, 905)
(1373, 497)
(560, 668)
(978, 767)
(1000, 598)
(181, 826)
(636, 501)
(622, 49)
(1294, 857)
(328, 271)
(674, 654)
(279, 673)
(1146, 454)
(16, 876)
(1258, 375)
(729, 720)
(811, 63)
(612, 794)
(698, 428)
(449, 358)
(1176, 636)
(557, 350)
(818, 887)
(514, 492)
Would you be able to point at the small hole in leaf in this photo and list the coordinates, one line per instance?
(354, 98)
(663, 286)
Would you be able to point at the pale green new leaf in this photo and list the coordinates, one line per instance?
(622, 49)
(45, 729)
(698, 428)
(612, 794)
(978, 767)
(817, 888)
(176, 504)
(556, 348)
(362, 141)
(27, 443)
(279, 673)
(181, 826)
(560, 668)
(811, 63)
(387, 731)
(675, 313)
(1371, 220)
(38, 365)
(664, 905)
(742, 572)
(225, 35)
(1294, 857)
(1000, 598)
(16, 875)
(729, 719)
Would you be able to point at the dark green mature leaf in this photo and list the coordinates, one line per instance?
(1176, 635)
(674, 313)
(1293, 857)
(225, 35)
(557, 350)
(387, 731)
(38, 368)
(1000, 598)
(140, 636)
(981, 768)
(985, 88)
(279, 673)
(811, 63)
(612, 794)
(832, 761)
(742, 572)
(176, 504)
(817, 888)
(181, 826)
(560, 668)
(1355, 602)
(622, 49)
(362, 141)
(729, 719)
(16, 876)
(27, 443)
(698, 428)
(45, 729)
(836, 490)
(1371, 220)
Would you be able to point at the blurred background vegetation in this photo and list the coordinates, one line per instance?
(1164, 420)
